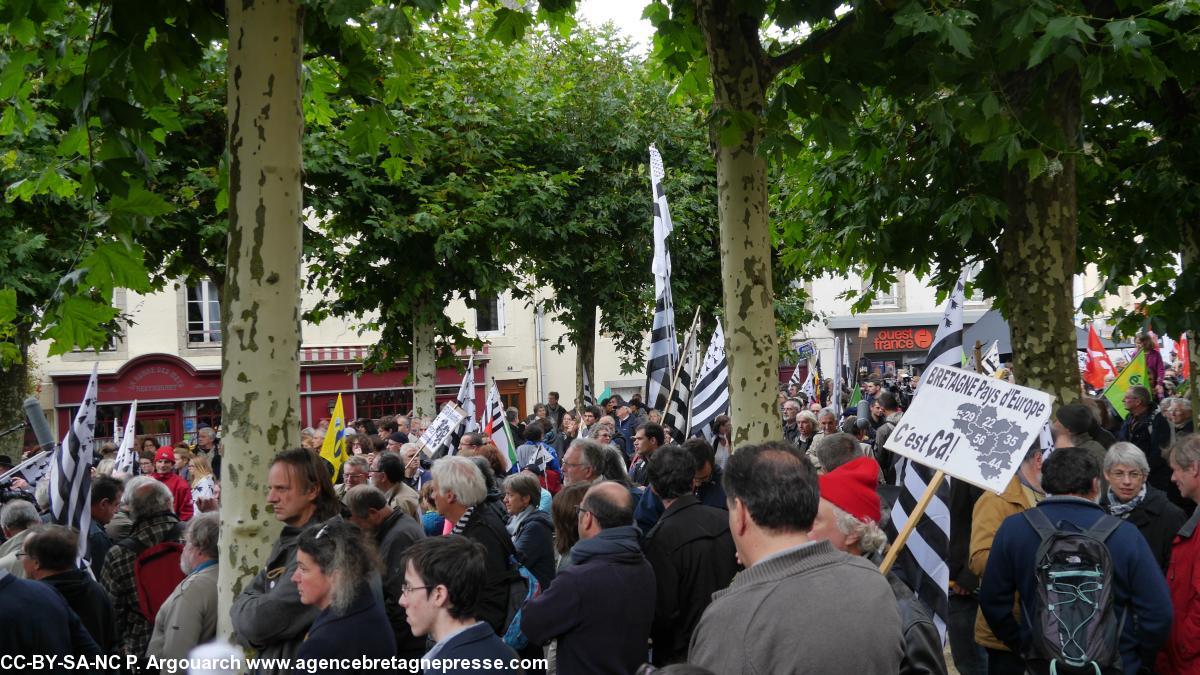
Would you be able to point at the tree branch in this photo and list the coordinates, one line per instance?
(815, 45)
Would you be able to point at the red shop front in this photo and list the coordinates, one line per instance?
(176, 398)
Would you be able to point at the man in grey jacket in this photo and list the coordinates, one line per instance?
(189, 615)
(851, 624)
(268, 614)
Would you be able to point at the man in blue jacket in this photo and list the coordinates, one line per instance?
(1071, 478)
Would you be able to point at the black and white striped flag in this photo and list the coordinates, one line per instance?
(922, 564)
(947, 347)
(126, 457)
(589, 399)
(991, 360)
(710, 397)
(465, 399)
(664, 351)
(32, 469)
(71, 470)
(676, 416)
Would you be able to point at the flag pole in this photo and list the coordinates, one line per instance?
(679, 366)
(911, 524)
(692, 375)
(979, 357)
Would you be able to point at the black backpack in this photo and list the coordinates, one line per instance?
(1072, 615)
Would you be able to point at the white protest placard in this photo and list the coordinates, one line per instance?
(973, 427)
(445, 424)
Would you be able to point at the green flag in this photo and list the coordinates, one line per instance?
(1134, 375)
(855, 397)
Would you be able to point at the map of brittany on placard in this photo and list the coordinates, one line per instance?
(994, 440)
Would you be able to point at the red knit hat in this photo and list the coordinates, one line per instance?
(851, 488)
(165, 452)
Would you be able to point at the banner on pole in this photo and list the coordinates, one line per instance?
(973, 427)
(445, 424)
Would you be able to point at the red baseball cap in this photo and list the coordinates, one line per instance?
(165, 452)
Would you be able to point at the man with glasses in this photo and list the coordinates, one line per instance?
(356, 471)
(1146, 428)
(600, 609)
(582, 461)
(444, 578)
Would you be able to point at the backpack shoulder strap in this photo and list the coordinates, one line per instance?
(132, 545)
(1103, 528)
(1039, 522)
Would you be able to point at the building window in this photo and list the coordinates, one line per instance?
(376, 404)
(886, 298)
(203, 313)
(489, 315)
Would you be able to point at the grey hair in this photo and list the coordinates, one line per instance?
(19, 514)
(460, 476)
(105, 467)
(360, 461)
(826, 412)
(1185, 403)
(1127, 454)
(203, 532)
(41, 495)
(871, 539)
(147, 497)
(806, 415)
(1186, 452)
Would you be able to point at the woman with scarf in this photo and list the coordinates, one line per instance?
(1131, 498)
(530, 527)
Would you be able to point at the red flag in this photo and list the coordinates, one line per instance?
(1099, 365)
(1186, 353)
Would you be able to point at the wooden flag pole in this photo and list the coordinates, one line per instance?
(679, 366)
(913, 519)
(979, 357)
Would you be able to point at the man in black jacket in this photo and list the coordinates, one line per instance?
(691, 551)
(394, 532)
(460, 494)
(1146, 428)
(601, 607)
(50, 552)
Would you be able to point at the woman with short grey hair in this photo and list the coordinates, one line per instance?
(1130, 497)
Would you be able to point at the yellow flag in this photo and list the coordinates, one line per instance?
(1134, 375)
(333, 449)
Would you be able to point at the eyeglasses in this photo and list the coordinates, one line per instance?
(405, 589)
(1131, 475)
(22, 554)
(579, 510)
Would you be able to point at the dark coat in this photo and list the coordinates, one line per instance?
(693, 556)
(361, 632)
(923, 653)
(1141, 591)
(395, 534)
(650, 507)
(37, 620)
(624, 435)
(534, 542)
(1152, 433)
(485, 527)
(476, 642)
(98, 545)
(1158, 520)
(91, 603)
(600, 608)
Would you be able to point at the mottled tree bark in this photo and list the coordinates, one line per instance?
(260, 307)
(740, 77)
(585, 352)
(1038, 254)
(424, 365)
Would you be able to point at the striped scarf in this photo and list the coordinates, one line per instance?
(462, 522)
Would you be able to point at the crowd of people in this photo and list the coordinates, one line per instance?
(612, 544)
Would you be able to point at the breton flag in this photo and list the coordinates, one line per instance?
(947, 344)
(589, 399)
(676, 416)
(840, 366)
(71, 471)
(465, 400)
(495, 427)
(922, 562)
(806, 386)
(710, 397)
(818, 379)
(126, 458)
(991, 360)
(795, 379)
(333, 448)
(1099, 366)
(32, 469)
(664, 351)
